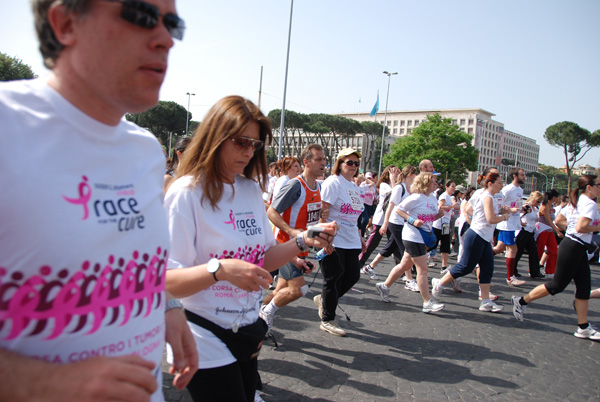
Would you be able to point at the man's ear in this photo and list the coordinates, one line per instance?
(62, 22)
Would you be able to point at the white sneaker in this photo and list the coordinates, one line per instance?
(513, 281)
(257, 397)
(436, 288)
(384, 291)
(267, 317)
(332, 328)
(518, 310)
(319, 303)
(432, 305)
(452, 254)
(588, 333)
(404, 279)
(412, 286)
(368, 270)
(431, 264)
(491, 307)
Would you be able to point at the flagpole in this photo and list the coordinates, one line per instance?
(385, 119)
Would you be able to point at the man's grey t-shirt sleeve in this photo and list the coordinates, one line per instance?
(289, 194)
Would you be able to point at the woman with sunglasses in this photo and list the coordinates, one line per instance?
(341, 270)
(573, 260)
(222, 244)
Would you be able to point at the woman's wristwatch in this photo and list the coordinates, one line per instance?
(173, 303)
(300, 242)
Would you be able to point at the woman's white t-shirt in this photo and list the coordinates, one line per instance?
(447, 198)
(399, 194)
(586, 208)
(346, 206)
(239, 229)
(379, 216)
(279, 183)
(418, 206)
(479, 223)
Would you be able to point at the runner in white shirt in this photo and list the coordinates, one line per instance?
(477, 244)
(341, 197)
(83, 236)
(394, 224)
(525, 237)
(441, 227)
(513, 199)
(573, 257)
(387, 181)
(223, 247)
(419, 210)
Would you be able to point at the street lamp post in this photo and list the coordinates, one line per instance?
(287, 62)
(384, 120)
(187, 115)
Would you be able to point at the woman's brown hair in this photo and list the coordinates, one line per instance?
(226, 119)
(582, 183)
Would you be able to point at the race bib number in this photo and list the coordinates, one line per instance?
(313, 213)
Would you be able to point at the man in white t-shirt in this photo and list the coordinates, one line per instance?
(83, 240)
(513, 200)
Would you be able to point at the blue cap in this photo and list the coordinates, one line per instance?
(435, 173)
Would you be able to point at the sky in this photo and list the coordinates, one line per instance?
(532, 63)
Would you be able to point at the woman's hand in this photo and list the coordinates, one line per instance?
(324, 239)
(418, 223)
(383, 229)
(244, 275)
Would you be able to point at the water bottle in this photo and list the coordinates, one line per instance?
(320, 254)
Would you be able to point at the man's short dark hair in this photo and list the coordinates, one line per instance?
(307, 151)
(514, 172)
(50, 47)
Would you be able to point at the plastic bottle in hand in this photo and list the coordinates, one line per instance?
(320, 254)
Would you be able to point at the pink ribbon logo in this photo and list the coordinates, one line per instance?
(85, 193)
(231, 219)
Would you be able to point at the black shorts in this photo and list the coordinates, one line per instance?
(414, 249)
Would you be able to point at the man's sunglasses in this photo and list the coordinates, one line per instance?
(350, 163)
(146, 15)
(242, 143)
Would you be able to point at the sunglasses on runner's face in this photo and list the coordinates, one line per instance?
(242, 143)
(146, 15)
(350, 163)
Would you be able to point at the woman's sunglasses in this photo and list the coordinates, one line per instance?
(146, 15)
(350, 163)
(242, 143)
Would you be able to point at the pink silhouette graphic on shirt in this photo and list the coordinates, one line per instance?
(85, 193)
(231, 219)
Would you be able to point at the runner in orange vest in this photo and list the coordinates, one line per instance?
(296, 206)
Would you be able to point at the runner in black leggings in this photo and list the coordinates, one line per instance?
(573, 262)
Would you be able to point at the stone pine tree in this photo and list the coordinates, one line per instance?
(12, 68)
(573, 140)
(437, 139)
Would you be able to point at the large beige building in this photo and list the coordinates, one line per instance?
(490, 138)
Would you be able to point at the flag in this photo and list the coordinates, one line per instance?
(376, 107)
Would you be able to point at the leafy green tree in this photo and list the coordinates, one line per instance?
(443, 143)
(573, 139)
(165, 120)
(12, 68)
